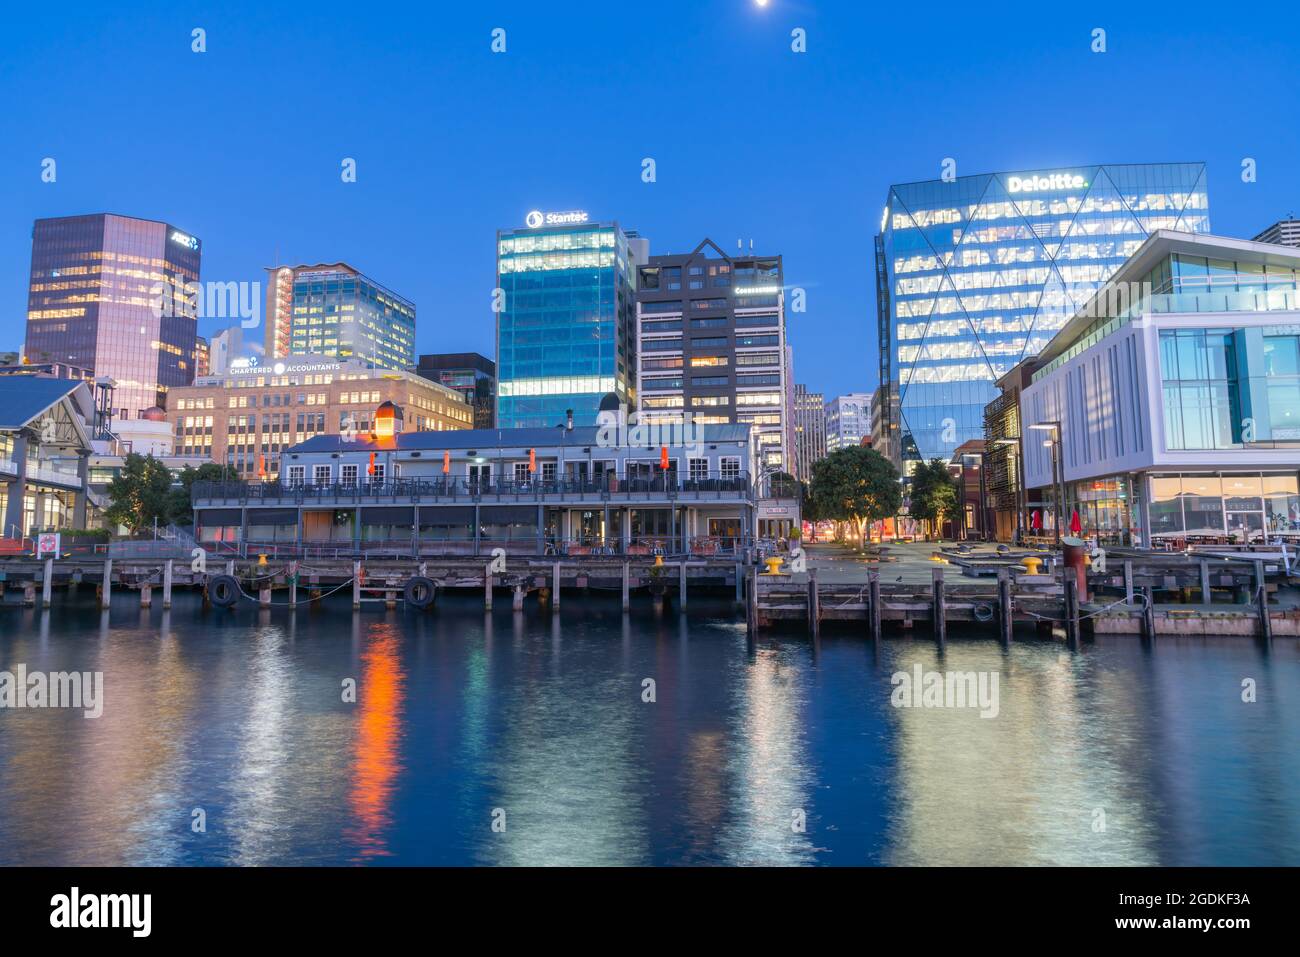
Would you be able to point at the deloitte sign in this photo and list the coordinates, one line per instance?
(1038, 184)
(536, 219)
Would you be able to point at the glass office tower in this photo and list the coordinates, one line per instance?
(975, 274)
(566, 321)
(94, 302)
(331, 309)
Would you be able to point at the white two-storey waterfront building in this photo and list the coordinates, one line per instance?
(1175, 394)
(574, 490)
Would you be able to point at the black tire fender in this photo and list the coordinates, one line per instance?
(223, 590)
(420, 592)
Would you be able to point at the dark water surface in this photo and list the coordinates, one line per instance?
(459, 714)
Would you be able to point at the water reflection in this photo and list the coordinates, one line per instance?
(1115, 755)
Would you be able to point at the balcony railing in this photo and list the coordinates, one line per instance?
(729, 486)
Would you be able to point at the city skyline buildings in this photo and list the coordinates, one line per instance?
(336, 310)
(975, 273)
(113, 294)
(565, 310)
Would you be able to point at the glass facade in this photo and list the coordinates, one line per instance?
(336, 311)
(565, 329)
(980, 272)
(1224, 507)
(92, 303)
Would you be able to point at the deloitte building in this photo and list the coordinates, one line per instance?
(976, 273)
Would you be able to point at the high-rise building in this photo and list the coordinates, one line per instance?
(472, 375)
(809, 430)
(227, 346)
(202, 356)
(711, 342)
(848, 420)
(976, 273)
(112, 294)
(1285, 232)
(566, 334)
(332, 309)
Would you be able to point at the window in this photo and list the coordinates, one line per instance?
(709, 380)
(705, 361)
(729, 467)
(348, 474)
(548, 472)
(521, 472)
(697, 469)
(320, 474)
(296, 474)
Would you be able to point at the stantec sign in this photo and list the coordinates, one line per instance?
(536, 219)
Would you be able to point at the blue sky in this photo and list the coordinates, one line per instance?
(242, 145)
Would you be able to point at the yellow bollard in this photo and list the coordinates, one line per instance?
(1032, 564)
(773, 566)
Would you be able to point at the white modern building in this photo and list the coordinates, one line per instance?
(227, 345)
(1175, 396)
(848, 420)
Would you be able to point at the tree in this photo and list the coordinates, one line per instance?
(856, 484)
(934, 494)
(180, 507)
(141, 493)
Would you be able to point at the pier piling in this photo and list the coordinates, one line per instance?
(1071, 583)
(106, 590)
(167, 585)
(814, 606)
(1265, 622)
(1207, 596)
(517, 602)
(487, 587)
(356, 586)
(627, 587)
(1005, 621)
(873, 605)
(47, 583)
(555, 587)
(681, 586)
(940, 609)
(1148, 613)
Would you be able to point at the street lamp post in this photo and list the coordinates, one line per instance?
(1058, 469)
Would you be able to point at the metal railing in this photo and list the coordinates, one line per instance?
(701, 485)
(704, 546)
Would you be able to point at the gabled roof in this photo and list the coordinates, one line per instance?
(25, 398)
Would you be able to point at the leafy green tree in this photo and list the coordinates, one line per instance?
(140, 494)
(933, 497)
(180, 506)
(856, 484)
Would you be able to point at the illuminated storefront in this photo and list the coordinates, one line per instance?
(977, 273)
(1178, 416)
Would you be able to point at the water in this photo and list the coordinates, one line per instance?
(241, 714)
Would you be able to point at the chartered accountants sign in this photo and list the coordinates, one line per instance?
(252, 365)
(537, 219)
